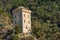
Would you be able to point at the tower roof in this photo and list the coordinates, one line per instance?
(21, 9)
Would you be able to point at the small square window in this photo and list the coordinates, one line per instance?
(15, 16)
(19, 15)
(15, 22)
(24, 15)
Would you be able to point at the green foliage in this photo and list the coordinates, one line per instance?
(14, 37)
(8, 6)
(17, 29)
(1, 11)
(45, 16)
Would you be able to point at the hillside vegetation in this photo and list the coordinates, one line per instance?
(45, 16)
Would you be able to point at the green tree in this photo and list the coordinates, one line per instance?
(17, 29)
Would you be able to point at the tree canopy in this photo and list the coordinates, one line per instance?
(45, 16)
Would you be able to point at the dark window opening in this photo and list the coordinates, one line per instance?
(15, 16)
(15, 22)
(20, 15)
(28, 16)
(24, 21)
(28, 22)
(24, 15)
(26, 27)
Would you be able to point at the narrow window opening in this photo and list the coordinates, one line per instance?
(24, 21)
(15, 16)
(28, 22)
(15, 22)
(24, 15)
(26, 27)
(28, 16)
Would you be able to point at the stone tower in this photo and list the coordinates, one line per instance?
(22, 16)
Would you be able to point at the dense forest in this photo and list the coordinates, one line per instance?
(45, 16)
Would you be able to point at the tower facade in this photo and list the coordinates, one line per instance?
(22, 17)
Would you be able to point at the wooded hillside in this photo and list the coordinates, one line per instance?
(45, 16)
